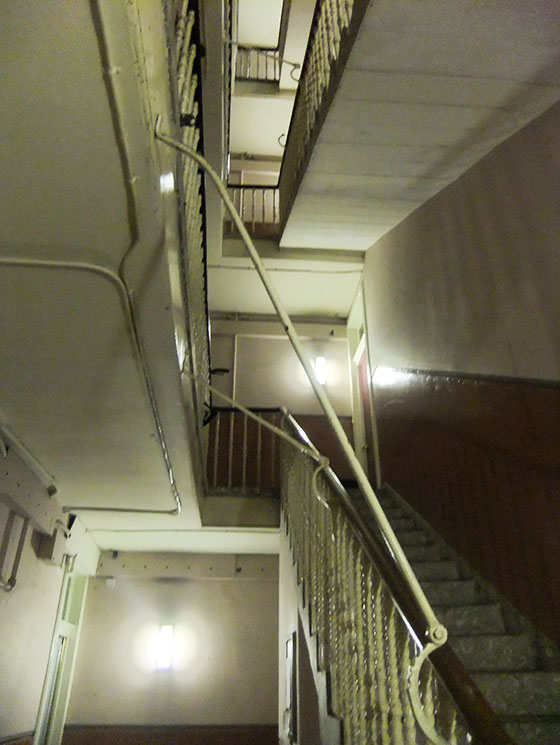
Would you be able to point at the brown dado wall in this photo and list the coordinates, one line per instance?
(479, 459)
(123, 735)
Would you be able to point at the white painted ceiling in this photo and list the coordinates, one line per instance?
(430, 87)
(258, 22)
(85, 230)
(259, 124)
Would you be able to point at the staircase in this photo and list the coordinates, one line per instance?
(516, 669)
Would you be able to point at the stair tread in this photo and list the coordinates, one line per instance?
(535, 732)
(533, 693)
(495, 652)
(424, 552)
(435, 570)
(471, 619)
(451, 591)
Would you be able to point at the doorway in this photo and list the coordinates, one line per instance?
(363, 414)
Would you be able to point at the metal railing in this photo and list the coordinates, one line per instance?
(188, 95)
(242, 454)
(254, 63)
(429, 631)
(259, 207)
(331, 22)
(380, 684)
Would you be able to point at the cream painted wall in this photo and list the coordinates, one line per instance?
(27, 616)
(470, 281)
(226, 674)
(268, 373)
(287, 625)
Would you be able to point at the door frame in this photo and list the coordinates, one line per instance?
(358, 347)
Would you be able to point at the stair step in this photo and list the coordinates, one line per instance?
(394, 513)
(535, 733)
(434, 570)
(495, 652)
(411, 537)
(451, 592)
(427, 552)
(472, 619)
(402, 523)
(535, 693)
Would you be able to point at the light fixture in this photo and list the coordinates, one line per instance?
(164, 648)
(167, 183)
(320, 367)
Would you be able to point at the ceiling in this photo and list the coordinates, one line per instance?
(429, 88)
(92, 319)
(309, 285)
(92, 316)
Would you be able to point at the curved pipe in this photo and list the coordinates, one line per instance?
(105, 21)
(126, 298)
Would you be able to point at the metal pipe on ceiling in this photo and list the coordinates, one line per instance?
(126, 298)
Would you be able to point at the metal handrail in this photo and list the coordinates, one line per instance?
(257, 205)
(435, 631)
(239, 457)
(257, 63)
(188, 99)
(334, 26)
(435, 634)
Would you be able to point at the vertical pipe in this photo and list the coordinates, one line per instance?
(259, 455)
(234, 367)
(244, 472)
(216, 449)
(230, 448)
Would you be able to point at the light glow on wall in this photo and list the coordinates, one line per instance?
(164, 648)
(387, 376)
(320, 367)
(167, 183)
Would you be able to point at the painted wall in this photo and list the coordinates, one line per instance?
(469, 282)
(225, 671)
(265, 372)
(27, 616)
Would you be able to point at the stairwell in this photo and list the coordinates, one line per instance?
(516, 669)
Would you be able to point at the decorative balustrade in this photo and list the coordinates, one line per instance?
(242, 454)
(370, 635)
(188, 96)
(334, 26)
(254, 63)
(259, 207)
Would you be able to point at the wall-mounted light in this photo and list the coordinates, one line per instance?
(320, 367)
(164, 648)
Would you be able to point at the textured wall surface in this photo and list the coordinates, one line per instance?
(225, 669)
(27, 616)
(469, 281)
(479, 459)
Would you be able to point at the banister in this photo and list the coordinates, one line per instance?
(482, 721)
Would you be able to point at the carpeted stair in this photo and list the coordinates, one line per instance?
(515, 668)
